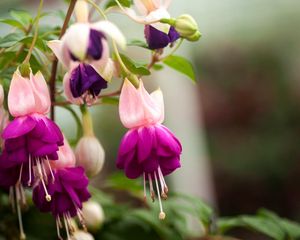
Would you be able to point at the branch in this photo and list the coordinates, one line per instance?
(55, 61)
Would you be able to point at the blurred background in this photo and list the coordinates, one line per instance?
(240, 125)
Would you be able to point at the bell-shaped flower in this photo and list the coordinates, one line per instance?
(84, 51)
(158, 35)
(148, 149)
(68, 191)
(30, 139)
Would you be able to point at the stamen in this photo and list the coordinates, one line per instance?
(48, 197)
(81, 219)
(58, 226)
(38, 164)
(44, 171)
(145, 191)
(72, 227)
(20, 175)
(67, 228)
(50, 169)
(166, 189)
(22, 234)
(162, 214)
(151, 188)
(29, 181)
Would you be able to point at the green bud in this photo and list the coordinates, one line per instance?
(187, 27)
(25, 69)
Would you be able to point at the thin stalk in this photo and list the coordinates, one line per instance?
(35, 36)
(55, 61)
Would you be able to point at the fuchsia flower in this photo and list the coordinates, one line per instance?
(68, 189)
(158, 35)
(31, 139)
(84, 51)
(148, 149)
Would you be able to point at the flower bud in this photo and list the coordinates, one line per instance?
(1, 95)
(93, 215)
(82, 11)
(187, 27)
(81, 235)
(90, 155)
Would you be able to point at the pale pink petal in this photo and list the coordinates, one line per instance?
(66, 157)
(81, 11)
(41, 93)
(137, 108)
(152, 111)
(111, 30)
(62, 53)
(20, 96)
(158, 98)
(156, 16)
(76, 39)
(130, 108)
(67, 91)
(166, 4)
(141, 7)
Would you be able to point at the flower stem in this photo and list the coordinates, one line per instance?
(173, 51)
(87, 122)
(55, 61)
(35, 36)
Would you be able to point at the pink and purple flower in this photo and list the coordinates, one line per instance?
(148, 149)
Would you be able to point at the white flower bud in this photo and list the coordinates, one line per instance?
(81, 235)
(187, 27)
(90, 155)
(93, 215)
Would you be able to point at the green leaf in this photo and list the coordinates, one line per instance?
(40, 43)
(137, 43)
(181, 65)
(124, 3)
(135, 67)
(158, 67)
(10, 40)
(22, 16)
(13, 23)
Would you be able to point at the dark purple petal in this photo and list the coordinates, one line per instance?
(18, 127)
(133, 169)
(37, 148)
(95, 47)
(151, 165)
(15, 143)
(156, 39)
(173, 34)
(85, 78)
(123, 159)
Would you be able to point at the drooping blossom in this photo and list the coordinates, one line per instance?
(30, 139)
(148, 149)
(68, 190)
(158, 35)
(84, 52)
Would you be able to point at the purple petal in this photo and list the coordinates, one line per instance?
(95, 47)
(133, 169)
(18, 127)
(85, 78)
(167, 143)
(128, 142)
(145, 143)
(156, 39)
(168, 165)
(173, 34)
